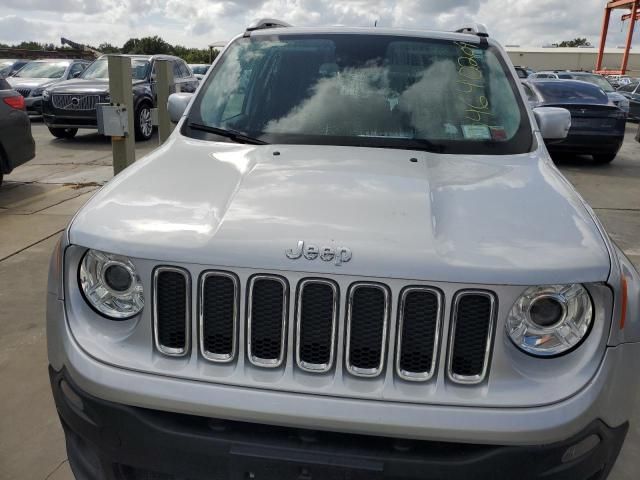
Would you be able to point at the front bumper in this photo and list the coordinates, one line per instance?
(111, 441)
(588, 143)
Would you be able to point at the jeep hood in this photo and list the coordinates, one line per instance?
(456, 218)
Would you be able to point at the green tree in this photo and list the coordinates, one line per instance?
(107, 48)
(576, 42)
(146, 45)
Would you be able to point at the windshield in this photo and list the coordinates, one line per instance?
(571, 92)
(377, 91)
(99, 70)
(596, 80)
(43, 70)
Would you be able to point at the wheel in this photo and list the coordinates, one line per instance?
(63, 132)
(603, 158)
(144, 127)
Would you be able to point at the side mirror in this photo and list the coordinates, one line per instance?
(554, 123)
(177, 105)
(75, 74)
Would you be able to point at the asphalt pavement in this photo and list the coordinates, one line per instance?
(38, 200)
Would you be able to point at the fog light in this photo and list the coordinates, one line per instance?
(581, 448)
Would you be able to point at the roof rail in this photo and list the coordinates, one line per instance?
(474, 29)
(264, 23)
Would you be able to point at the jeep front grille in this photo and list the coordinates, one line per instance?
(267, 320)
(171, 310)
(219, 297)
(418, 333)
(367, 317)
(317, 314)
(73, 101)
(470, 337)
(377, 331)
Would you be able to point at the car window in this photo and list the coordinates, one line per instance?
(564, 76)
(76, 68)
(43, 70)
(541, 75)
(177, 72)
(597, 80)
(521, 73)
(628, 88)
(571, 92)
(367, 90)
(530, 95)
(100, 69)
(4, 85)
(185, 70)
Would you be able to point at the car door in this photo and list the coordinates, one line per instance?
(190, 79)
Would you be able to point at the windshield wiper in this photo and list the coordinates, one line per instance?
(237, 137)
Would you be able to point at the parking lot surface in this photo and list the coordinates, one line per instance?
(38, 200)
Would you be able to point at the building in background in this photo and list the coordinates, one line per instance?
(552, 58)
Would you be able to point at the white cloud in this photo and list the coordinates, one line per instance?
(199, 22)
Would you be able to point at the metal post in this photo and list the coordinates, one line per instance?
(632, 24)
(164, 81)
(603, 38)
(124, 148)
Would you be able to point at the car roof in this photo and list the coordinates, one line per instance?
(399, 32)
(53, 60)
(147, 57)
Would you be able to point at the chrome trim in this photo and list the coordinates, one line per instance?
(366, 372)
(217, 357)
(268, 362)
(418, 376)
(173, 352)
(470, 379)
(316, 367)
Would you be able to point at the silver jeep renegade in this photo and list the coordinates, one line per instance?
(353, 259)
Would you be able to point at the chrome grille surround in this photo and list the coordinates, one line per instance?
(366, 372)
(255, 360)
(427, 375)
(315, 367)
(173, 352)
(470, 379)
(211, 356)
(75, 101)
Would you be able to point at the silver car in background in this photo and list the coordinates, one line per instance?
(32, 79)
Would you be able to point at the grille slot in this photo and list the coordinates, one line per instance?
(25, 92)
(171, 310)
(72, 101)
(367, 317)
(316, 317)
(219, 293)
(471, 332)
(418, 333)
(266, 322)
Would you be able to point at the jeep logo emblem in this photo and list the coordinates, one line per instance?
(338, 255)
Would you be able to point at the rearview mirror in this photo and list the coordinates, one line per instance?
(554, 123)
(177, 105)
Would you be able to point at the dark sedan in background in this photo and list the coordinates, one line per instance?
(37, 75)
(632, 92)
(70, 105)
(16, 143)
(597, 125)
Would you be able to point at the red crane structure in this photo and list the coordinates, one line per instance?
(634, 16)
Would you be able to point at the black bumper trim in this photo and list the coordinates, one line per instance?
(117, 442)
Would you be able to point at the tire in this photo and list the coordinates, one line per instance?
(63, 132)
(604, 158)
(143, 125)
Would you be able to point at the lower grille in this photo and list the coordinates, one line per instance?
(471, 332)
(367, 317)
(72, 101)
(317, 312)
(25, 92)
(171, 310)
(267, 317)
(218, 316)
(418, 333)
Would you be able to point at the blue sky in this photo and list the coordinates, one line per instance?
(197, 23)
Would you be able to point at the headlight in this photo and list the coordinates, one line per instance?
(46, 94)
(36, 92)
(550, 320)
(111, 285)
